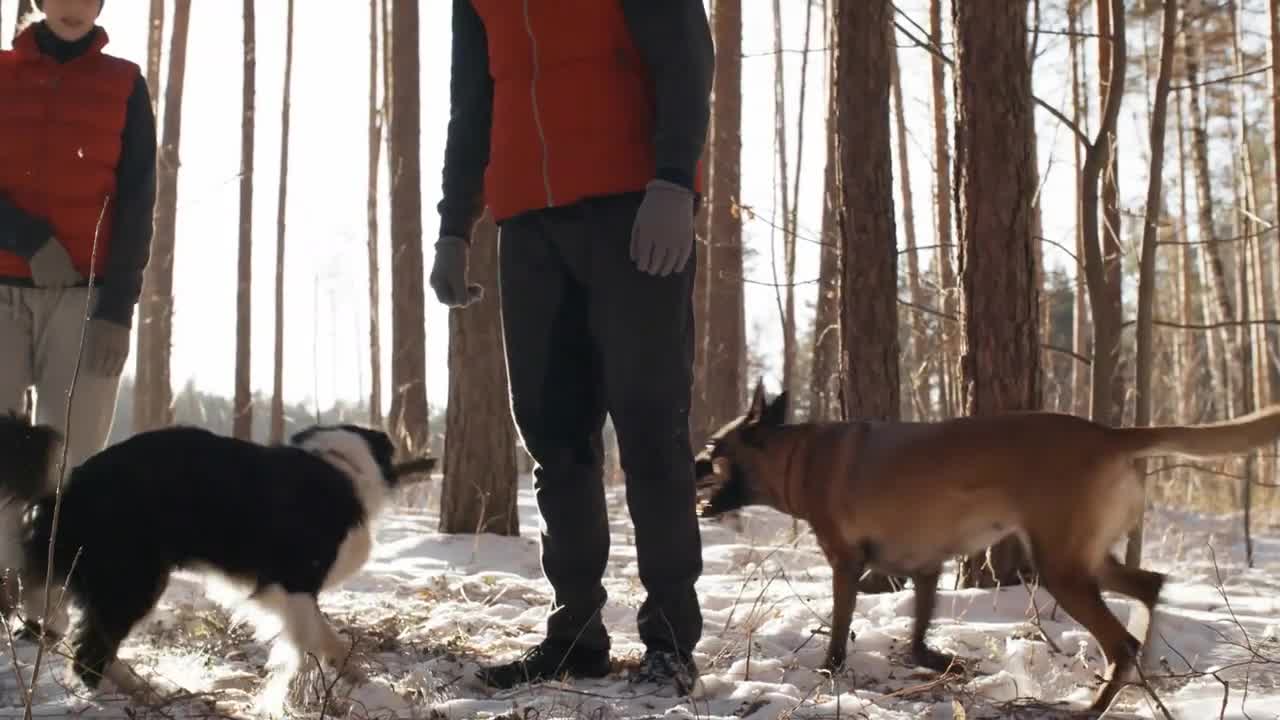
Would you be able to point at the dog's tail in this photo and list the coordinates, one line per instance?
(1236, 436)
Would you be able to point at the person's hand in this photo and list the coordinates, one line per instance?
(51, 267)
(449, 274)
(662, 235)
(106, 347)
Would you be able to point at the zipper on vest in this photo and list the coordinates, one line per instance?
(537, 116)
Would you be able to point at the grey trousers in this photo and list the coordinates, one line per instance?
(40, 331)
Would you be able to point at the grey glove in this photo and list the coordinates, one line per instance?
(51, 267)
(106, 347)
(449, 274)
(662, 235)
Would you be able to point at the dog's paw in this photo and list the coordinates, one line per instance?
(927, 657)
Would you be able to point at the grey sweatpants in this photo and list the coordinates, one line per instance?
(40, 331)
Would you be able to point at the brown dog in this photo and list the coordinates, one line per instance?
(901, 498)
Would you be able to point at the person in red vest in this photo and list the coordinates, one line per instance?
(579, 124)
(77, 188)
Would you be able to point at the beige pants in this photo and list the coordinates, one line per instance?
(40, 331)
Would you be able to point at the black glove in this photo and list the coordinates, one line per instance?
(449, 274)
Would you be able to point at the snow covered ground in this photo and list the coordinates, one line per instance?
(429, 608)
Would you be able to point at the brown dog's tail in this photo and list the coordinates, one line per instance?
(1236, 436)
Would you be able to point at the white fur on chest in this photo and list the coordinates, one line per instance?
(354, 551)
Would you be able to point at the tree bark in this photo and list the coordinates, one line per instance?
(1150, 237)
(1205, 202)
(949, 374)
(917, 385)
(143, 384)
(371, 213)
(277, 372)
(1080, 322)
(825, 372)
(699, 412)
(787, 303)
(726, 330)
(1187, 376)
(242, 408)
(1102, 255)
(481, 482)
(996, 183)
(409, 410)
(869, 308)
(158, 410)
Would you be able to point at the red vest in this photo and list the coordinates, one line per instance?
(573, 104)
(60, 137)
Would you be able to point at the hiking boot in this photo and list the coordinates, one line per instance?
(665, 667)
(547, 661)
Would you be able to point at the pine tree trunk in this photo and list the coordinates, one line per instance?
(1150, 236)
(698, 412)
(786, 303)
(277, 372)
(1080, 320)
(943, 197)
(1102, 247)
(143, 383)
(371, 212)
(409, 410)
(917, 384)
(1205, 201)
(481, 483)
(1188, 377)
(825, 370)
(1273, 307)
(995, 186)
(869, 248)
(158, 411)
(242, 408)
(726, 330)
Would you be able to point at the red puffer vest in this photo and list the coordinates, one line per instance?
(60, 137)
(573, 104)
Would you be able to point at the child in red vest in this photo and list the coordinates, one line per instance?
(77, 188)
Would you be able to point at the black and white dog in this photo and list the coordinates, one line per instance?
(282, 522)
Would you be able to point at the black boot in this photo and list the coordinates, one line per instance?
(546, 661)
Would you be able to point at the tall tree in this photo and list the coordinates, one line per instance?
(942, 198)
(242, 408)
(869, 248)
(726, 329)
(376, 117)
(1150, 236)
(917, 376)
(825, 371)
(1080, 323)
(409, 410)
(869, 303)
(995, 184)
(1273, 45)
(277, 372)
(1102, 258)
(158, 411)
(143, 338)
(481, 482)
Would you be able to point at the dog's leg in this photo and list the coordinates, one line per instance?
(926, 596)
(1081, 596)
(845, 573)
(1141, 585)
(54, 626)
(306, 627)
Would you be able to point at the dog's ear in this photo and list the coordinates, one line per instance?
(758, 404)
(776, 412)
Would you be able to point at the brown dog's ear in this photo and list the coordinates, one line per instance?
(758, 404)
(776, 412)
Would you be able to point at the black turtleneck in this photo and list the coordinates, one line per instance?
(121, 282)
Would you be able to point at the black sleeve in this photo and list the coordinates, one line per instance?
(466, 151)
(674, 38)
(21, 232)
(121, 283)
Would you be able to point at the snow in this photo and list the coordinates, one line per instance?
(428, 609)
